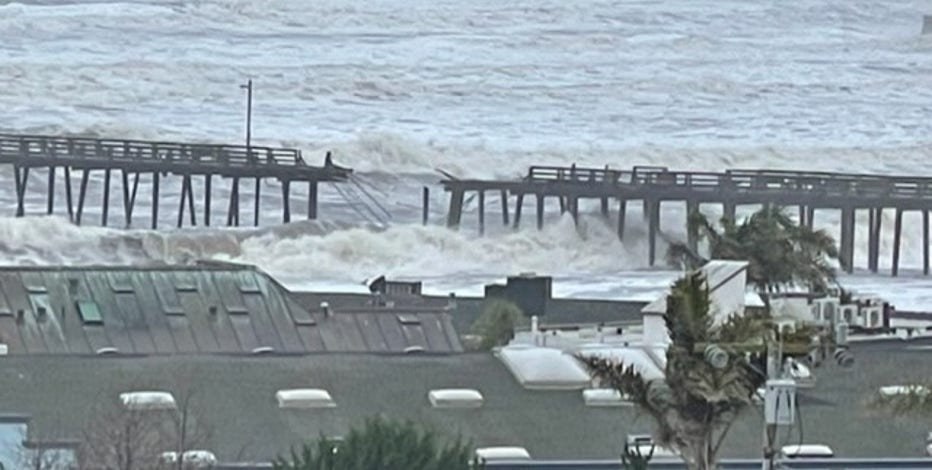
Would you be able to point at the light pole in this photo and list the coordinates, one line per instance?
(248, 88)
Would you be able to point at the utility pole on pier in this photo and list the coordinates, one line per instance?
(248, 88)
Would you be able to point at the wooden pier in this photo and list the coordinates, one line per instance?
(132, 159)
(653, 186)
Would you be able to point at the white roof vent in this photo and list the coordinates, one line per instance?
(807, 451)
(503, 453)
(192, 458)
(148, 400)
(544, 368)
(455, 398)
(304, 398)
(4, 349)
(891, 390)
(604, 397)
(107, 351)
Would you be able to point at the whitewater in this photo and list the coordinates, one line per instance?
(399, 90)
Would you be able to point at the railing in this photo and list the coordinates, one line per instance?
(146, 151)
(756, 181)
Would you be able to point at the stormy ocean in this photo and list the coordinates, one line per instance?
(400, 90)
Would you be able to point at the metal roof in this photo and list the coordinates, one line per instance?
(214, 308)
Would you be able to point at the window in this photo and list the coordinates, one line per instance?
(89, 313)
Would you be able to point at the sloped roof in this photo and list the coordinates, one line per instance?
(236, 398)
(727, 281)
(214, 308)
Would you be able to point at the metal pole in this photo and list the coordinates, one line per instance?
(248, 88)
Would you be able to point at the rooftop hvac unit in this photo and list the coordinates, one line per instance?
(847, 314)
(873, 316)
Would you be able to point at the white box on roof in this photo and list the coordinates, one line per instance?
(304, 398)
(455, 398)
(149, 400)
(503, 453)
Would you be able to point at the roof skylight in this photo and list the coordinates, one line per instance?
(455, 398)
(544, 368)
(304, 398)
(150, 400)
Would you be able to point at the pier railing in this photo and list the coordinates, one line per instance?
(758, 181)
(46, 147)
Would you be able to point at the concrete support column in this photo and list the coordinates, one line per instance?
(622, 206)
(540, 212)
(692, 234)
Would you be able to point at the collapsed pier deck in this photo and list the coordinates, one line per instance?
(133, 158)
(653, 186)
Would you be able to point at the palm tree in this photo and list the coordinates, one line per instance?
(694, 406)
(381, 444)
(780, 253)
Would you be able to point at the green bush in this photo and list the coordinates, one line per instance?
(496, 324)
(381, 444)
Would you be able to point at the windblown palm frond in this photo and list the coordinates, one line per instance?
(780, 253)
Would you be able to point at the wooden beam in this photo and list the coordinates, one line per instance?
(255, 217)
(51, 189)
(192, 215)
(82, 192)
(540, 212)
(286, 200)
(897, 235)
(622, 209)
(68, 193)
(155, 200)
(481, 212)
(519, 206)
(312, 200)
(505, 207)
(106, 206)
(208, 178)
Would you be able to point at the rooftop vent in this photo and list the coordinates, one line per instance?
(455, 398)
(192, 458)
(604, 397)
(325, 307)
(107, 351)
(891, 390)
(263, 350)
(148, 400)
(305, 398)
(502, 453)
(414, 349)
(4, 349)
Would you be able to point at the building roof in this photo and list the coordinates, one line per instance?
(207, 308)
(236, 397)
